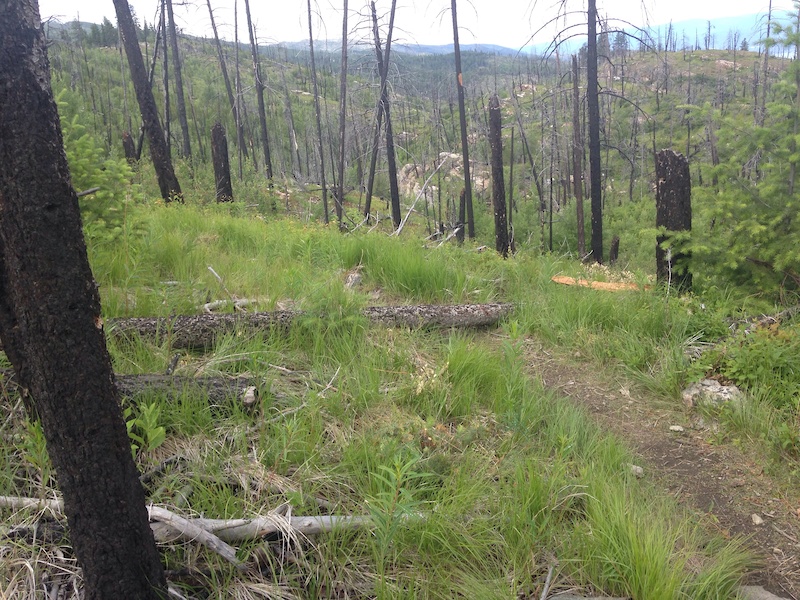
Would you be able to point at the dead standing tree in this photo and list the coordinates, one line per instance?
(317, 114)
(593, 102)
(674, 214)
(262, 113)
(577, 157)
(339, 196)
(383, 110)
(167, 181)
(498, 181)
(51, 327)
(228, 88)
(177, 68)
(222, 167)
(462, 118)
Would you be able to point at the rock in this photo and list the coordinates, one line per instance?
(756, 592)
(711, 393)
(637, 471)
(676, 428)
(757, 520)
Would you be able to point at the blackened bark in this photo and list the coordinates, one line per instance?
(228, 88)
(317, 114)
(613, 253)
(383, 110)
(462, 119)
(498, 181)
(222, 167)
(167, 105)
(674, 213)
(129, 148)
(167, 181)
(593, 101)
(339, 196)
(186, 147)
(52, 331)
(577, 157)
(262, 112)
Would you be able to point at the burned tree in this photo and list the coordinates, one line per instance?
(498, 181)
(52, 331)
(673, 214)
(167, 181)
(222, 167)
(462, 117)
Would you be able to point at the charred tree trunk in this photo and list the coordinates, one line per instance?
(318, 115)
(167, 105)
(339, 196)
(262, 112)
(129, 148)
(593, 101)
(577, 157)
(222, 167)
(511, 241)
(462, 118)
(186, 147)
(674, 213)
(613, 253)
(228, 88)
(383, 102)
(167, 181)
(498, 182)
(52, 331)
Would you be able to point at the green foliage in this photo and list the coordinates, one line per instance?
(34, 452)
(144, 428)
(763, 360)
(103, 211)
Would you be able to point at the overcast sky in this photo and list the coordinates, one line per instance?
(508, 23)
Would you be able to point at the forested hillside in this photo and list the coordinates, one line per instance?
(337, 332)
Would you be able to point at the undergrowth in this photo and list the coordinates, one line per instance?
(477, 481)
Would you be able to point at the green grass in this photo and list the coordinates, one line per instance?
(477, 479)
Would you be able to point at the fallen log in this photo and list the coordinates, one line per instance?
(200, 331)
(217, 390)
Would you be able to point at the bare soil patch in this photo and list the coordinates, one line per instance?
(722, 483)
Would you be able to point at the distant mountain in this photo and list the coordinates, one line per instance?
(690, 33)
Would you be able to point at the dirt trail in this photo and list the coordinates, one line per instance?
(717, 480)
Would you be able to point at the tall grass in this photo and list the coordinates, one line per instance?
(477, 479)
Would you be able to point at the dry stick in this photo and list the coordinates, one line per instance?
(239, 530)
(547, 583)
(194, 531)
(184, 529)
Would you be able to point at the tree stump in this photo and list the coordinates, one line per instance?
(129, 148)
(222, 167)
(674, 213)
(613, 254)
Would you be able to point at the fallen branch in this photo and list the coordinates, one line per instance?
(241, 530)
(191, 530)
(200, 331)
(216, 534)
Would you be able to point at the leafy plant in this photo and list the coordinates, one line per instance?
(144, 430)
